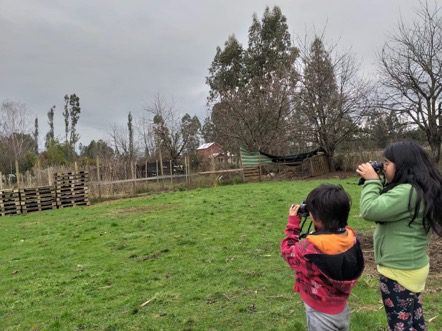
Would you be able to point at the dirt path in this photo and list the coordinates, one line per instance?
(435, 250)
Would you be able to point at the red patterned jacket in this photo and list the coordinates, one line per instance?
(326, 266)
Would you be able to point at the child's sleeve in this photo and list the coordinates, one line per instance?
(288, 244)
(387, 207)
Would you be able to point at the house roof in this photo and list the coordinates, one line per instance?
(205, 146)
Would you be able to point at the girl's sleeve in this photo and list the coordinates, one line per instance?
(288, 244)
(387, 207)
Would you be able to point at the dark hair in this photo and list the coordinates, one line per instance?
(330, 204)
(413, 166)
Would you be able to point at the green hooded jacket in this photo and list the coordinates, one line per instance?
(396, 243)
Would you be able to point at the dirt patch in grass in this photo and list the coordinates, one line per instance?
(290, 174)
(139, 209)
(435, 252)
(337, 175)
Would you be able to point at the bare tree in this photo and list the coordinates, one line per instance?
(120, 139)
(172, 135)
(411, 67)
(15, 126)
(145, 135)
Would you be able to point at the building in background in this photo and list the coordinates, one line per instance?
(209, 151)
(213, 156)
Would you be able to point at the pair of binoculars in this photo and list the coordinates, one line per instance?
(303, 210)
(377, 166)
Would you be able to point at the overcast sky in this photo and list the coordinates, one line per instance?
(116, 55)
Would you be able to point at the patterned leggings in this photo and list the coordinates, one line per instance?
(403, 308)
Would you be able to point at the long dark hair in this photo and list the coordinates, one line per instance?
(413, 166)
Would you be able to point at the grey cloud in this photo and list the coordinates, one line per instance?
(117, 54)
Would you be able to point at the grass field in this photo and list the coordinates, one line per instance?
(205, 259)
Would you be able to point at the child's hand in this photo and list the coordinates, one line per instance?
(293, 211)
(366, 171)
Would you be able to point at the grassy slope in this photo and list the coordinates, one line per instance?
(206, 259)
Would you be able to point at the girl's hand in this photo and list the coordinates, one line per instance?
(366, 171)
(293, 211)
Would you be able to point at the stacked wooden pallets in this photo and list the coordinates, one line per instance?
(315, 166)
(37, 199)
(71, 189)
(251, 174)
(9, 202)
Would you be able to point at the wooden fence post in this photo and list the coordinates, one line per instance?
(133, 169)
(189, 170)
(133, 175)
(28, 179)
(161, 164)
(185, 169)
(111, 178)
(161, 170)
(311, 167)
(171, 173)
(1, 181)
(98, 169)
(156, 162)
(17, 173)
(39, 173)
(98, 178)
(49, 176)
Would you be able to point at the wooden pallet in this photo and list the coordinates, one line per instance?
(71, 176)
(65, 204)
(251, 174)
(315, 166)
(71, 189)
(9, 202)
(37, 199)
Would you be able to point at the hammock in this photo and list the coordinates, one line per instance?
(253, 159)
(295, 158)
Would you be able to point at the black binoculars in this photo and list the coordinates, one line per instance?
(377, 166)
(303, 210)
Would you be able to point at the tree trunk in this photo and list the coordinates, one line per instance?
(329, 154)
(435, 148)
(331, 162)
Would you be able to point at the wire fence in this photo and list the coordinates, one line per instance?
(112, 178)
(122, 178)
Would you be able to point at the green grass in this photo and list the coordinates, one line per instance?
(205, 259)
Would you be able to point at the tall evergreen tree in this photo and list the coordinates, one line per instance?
(66, 119)
(71, 116)
(74, 113)
(383, 128)
(51, 134)
(131, 135)
(36, 135)
(251, 89)
(331, 100)
(97, 149)
(227, 70)
(208, 130)
(190, 129)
